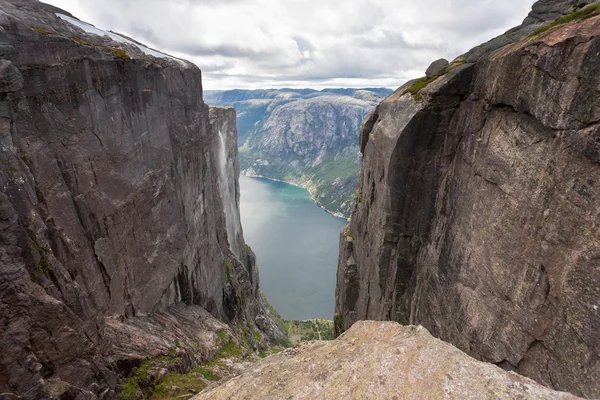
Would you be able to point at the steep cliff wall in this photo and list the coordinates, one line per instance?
(305, 137)
(116, 222)
(476, 213)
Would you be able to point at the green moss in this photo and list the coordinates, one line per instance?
(206, 373)
(41, 31)
(130, 390)
(257, 336)
(228, 266)
(349, 235)
(586, 12)
(138, 383)
(231, 350)
(248, 249)
(419, 85)
(285, 342)
(339, 322)
(120, 53)
(223, 337)
(186, 383)
(423, 82)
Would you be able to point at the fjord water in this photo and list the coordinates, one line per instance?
(296, 245)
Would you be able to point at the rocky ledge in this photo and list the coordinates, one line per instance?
(378, 360)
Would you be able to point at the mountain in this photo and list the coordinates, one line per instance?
(120, 238)
(303, 136)
(477, 212)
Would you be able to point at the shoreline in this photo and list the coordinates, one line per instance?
(312, 195)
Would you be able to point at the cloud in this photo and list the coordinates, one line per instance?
(305, 43)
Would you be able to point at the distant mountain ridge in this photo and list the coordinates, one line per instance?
(303, 136)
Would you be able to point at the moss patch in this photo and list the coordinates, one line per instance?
(41, 31)
(120, 53)
(419, 85)
(339, 322)
(175, 385)
(586, 12)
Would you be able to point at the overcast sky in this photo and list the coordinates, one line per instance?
(305, 43)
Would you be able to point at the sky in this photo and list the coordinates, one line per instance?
(258, 44)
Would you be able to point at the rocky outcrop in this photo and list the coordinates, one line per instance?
(117, 230)
(437, 68)
(305, 137)
(476, 213)
(378, 360)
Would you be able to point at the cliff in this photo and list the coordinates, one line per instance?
(120, 237)
(378, 360)
(305, 137)
(476, 213)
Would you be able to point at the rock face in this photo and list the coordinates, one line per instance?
(476, 213)
(116, 216)
(378, 360)
(305, 137)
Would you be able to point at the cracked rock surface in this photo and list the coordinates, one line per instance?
(378, 360)
(477, 209)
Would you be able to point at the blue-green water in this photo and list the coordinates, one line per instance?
(296, 245)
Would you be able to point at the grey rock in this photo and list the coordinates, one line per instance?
(378, 360)
(437, 68)
(113, 210)
(549, 10)
(11, 79)
(304, 136)
(476, 212)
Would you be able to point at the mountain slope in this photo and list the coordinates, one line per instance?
(305, 137)
(477, 208)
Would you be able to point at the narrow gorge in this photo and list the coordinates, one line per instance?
(469, 268)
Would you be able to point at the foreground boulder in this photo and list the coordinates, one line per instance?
(477, 213)
(378, 360)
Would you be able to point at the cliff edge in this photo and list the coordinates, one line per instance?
(477, 209)
(120, 237)
(378, 360)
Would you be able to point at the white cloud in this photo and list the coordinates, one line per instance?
(305, 43)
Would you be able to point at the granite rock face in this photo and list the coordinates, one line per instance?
(378, 360)
(305, 137)
(114, 208)
(477, 209)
